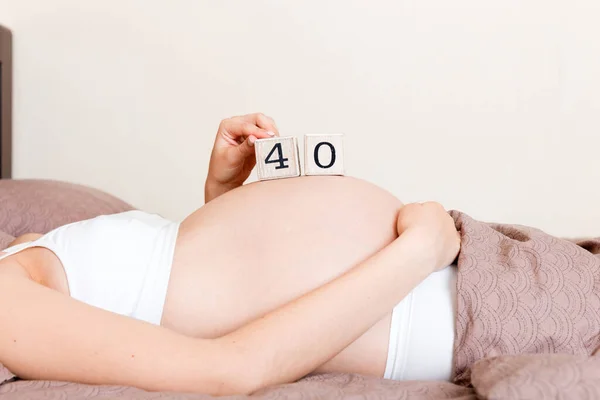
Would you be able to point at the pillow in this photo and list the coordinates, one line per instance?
(5, 239)
(39, 206)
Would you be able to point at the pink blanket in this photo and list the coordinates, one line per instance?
(328, 386)
(522, 291)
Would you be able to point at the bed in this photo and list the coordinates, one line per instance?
(30, 205)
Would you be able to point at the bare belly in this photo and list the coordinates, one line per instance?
(258, 247)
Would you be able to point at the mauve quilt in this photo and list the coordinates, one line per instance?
(326, 386)
(522, 291)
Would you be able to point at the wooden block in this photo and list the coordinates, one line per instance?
(277, 157)
(324, 154)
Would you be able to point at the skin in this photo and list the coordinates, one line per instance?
(238, 315)
(305, 243)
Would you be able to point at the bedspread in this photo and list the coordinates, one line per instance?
(326, 386)
(522, 291)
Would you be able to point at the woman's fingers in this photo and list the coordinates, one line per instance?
(238, 135)
(262, 121)
(246, 149)
(248, 129)
(267, 123)
(236, 130)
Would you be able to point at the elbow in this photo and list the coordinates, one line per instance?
(247, 386)
(257, 380)
(243, 384)
(238, 382)
(252, 378)
(242, 373)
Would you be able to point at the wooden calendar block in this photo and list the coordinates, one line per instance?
(277, 157)
(324, 154)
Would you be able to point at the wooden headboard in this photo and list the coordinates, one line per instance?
(5, 103)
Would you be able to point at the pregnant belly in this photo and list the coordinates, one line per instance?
(260, 246)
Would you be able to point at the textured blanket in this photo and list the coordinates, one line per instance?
(522, 291)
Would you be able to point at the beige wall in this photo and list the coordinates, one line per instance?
(490, 107)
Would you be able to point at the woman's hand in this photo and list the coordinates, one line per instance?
(232, 158)
(433, 232)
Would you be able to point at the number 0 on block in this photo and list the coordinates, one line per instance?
(277, 158)
(324, 154)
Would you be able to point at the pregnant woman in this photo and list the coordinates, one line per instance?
(264, 284)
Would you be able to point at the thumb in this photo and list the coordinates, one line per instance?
(242, 151)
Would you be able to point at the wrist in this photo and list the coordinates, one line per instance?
(418, 248)
(213, 189)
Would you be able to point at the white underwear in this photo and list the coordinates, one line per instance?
(120, 262)
(421, 343)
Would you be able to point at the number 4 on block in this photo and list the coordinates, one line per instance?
(277, 158)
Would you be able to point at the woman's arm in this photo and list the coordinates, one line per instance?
(46, 335)
(295, 339)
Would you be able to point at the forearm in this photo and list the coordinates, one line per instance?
(47, 335)
(295, 339)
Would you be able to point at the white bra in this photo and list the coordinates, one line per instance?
(14, 249)
(82, 248)
(118, 262)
